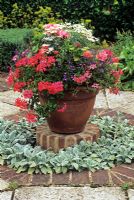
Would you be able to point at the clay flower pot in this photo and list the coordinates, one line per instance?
(78, 110)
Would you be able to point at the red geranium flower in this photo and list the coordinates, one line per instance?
(18, 86)
(28, 94)
(31, 117)
(21, 103)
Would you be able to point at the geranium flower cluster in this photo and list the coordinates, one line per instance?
(52, 88)
(63, 61)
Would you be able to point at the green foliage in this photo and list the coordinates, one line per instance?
(44, 16)
(114, 147)
(106, 16)
(125, 186)
(12, 40)
(13, 185)
(28, 17)
(124, 48)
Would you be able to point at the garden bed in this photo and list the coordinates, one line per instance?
(19, 150)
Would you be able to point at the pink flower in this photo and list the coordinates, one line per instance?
(115, 60)
(63, 34)
(109, 52)
(102, 56)
(28, 94)
(114, 90)
(63, 108)
(15, 58)
(51, 28)
(82, 78)
(95, 85)
(92, 66)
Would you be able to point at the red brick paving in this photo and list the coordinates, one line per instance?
(50, 140)
(99, 178)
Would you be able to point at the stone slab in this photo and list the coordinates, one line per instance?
(100, 101)
(6, 195)
(131, 194)
(122, 102)
(67, 193)
(6, 109)
(9, 97)
(3, 184)
(123, 98)
(53, 141)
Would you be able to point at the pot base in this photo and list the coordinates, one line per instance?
(54, 141)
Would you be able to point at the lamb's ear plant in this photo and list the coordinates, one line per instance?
(18, 148)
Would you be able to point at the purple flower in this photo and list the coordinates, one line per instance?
(65, 76)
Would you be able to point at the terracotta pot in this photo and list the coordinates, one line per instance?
(74, 118)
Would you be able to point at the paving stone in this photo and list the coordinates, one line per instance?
(100, 101)
(6, 109)
(104, 193)
(122, 102)
(129, 108)
(131, 194)
(3, 184)
(67, 193)
(9, 97)
(6, 195)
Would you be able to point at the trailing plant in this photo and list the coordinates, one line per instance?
(114, 147)
(62, 59)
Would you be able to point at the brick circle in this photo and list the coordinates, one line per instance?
(53, 141)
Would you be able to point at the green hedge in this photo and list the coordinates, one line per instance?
(124, 49)
(12, 40)
(107, 16)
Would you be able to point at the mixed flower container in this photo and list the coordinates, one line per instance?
(60, 75)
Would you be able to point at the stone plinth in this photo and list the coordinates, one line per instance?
(53, 141)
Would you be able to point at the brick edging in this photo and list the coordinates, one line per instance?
(117, 176)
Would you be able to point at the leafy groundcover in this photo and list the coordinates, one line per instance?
(19, 151)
